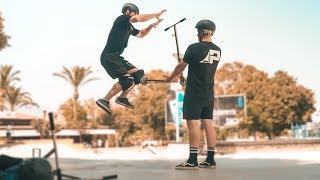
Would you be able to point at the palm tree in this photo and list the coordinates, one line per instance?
(17, 98)
(77, 76)
(7, 77)
(3, 37)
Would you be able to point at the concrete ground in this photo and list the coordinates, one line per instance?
(228, 169)
(158, 163)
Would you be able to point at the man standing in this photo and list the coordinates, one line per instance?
(112, 61)
(203, 58)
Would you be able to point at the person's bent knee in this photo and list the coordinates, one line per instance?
(132, 70)
(126, 82)
(137, 76)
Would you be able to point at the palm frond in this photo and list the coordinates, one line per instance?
(7, 76)
(77, 76)
(63, 76)
(89, 80)
(16, 97)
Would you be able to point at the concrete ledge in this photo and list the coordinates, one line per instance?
(273, 145)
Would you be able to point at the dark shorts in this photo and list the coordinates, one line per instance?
(196, 109)
(115, 65)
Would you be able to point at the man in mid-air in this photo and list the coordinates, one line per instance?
(112, 61)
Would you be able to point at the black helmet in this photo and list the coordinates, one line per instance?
(206, 24)
(131, 7)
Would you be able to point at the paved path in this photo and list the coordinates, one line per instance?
(228, 169)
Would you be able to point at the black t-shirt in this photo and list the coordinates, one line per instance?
(119, 35)
(203, 59)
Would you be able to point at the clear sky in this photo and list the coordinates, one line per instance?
(46, 35)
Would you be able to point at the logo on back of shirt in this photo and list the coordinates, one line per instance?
(213, 55)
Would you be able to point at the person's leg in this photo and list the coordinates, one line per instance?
(125, 93)
(111, 63)
(125, 83)
(211, 139)
(210, 132)
(133, 70)
(191, 112)
(208, 124)
(194, 140)
(116, 67)
(136, 75)
(116, 88)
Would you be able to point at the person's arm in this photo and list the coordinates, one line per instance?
(182, 65)
(145, 17)
(177, 71)
(146, 31)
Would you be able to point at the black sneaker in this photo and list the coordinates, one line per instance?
(187, 166)
(124, 102)
(210, 165)
(105, 105)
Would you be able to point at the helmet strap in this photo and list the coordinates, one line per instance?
(200, 33)
(127, 12)
(207, 32)
(204, 32)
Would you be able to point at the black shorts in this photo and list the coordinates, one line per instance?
(194, 109)
(115, 65)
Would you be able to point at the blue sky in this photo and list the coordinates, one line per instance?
(46, 35)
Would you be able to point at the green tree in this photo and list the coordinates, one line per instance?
(7, 77)
(16, 98)
(76, 76)
(147, 120)
(42, 126)
(237, 78)
(127, 123)
(227, 76)
(67, 110)
(273, 103)
(150, 104)
(288, 103)
(3, 37)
